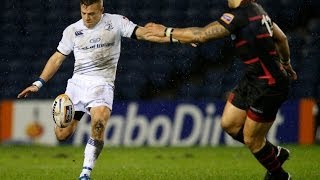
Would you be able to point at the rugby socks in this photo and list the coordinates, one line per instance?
(91, 154)
(267, 156)
(239, 137)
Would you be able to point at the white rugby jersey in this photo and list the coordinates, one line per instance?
(96, 50)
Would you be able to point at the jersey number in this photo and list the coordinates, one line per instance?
(268, 23)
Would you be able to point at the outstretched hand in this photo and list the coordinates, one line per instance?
(155, 29)
(26, 92)
(158, 30)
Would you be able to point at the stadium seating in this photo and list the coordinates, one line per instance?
(32, 30)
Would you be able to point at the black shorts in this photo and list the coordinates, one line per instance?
(260, 101)
(78, 115)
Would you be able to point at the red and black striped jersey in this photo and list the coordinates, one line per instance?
(251, 32)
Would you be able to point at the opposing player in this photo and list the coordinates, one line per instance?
(95, 41)
(253, 104)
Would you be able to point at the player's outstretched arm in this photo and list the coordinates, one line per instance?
(212, 31)
(143, 33)
(49, 70)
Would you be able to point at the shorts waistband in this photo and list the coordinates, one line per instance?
(96, 79)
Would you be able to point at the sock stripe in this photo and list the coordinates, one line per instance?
(88, 168)
(91, 141)
(95, 143)
(270, 163)
(267, 156)
(276, 167)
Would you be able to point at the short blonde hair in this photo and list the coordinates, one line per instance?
(90, 2)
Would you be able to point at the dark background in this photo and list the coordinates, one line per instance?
(32, 29)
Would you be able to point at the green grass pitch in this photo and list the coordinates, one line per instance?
(196, 163)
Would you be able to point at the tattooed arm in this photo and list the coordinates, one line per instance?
(199, 35)
(190, 35)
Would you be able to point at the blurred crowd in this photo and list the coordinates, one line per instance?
(31, 31)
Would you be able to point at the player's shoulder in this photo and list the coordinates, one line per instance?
(229, 16)
(241, 11)
(75, 28)
(237, 14)
(116, 17)
(244, 9)
(109, 15)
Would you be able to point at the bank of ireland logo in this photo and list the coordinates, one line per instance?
(95, 40)
(108, 26)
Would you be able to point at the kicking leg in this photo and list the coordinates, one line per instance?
(62, 134)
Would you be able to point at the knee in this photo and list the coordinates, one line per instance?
(228, 127)
(225, 125)
(254, 144)
(98, 128)
(99, 118)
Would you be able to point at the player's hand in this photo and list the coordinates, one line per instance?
(158, 30)
(292, 74)
(155, 29)
(25, 93)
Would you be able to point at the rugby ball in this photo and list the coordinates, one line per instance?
(62, 111)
